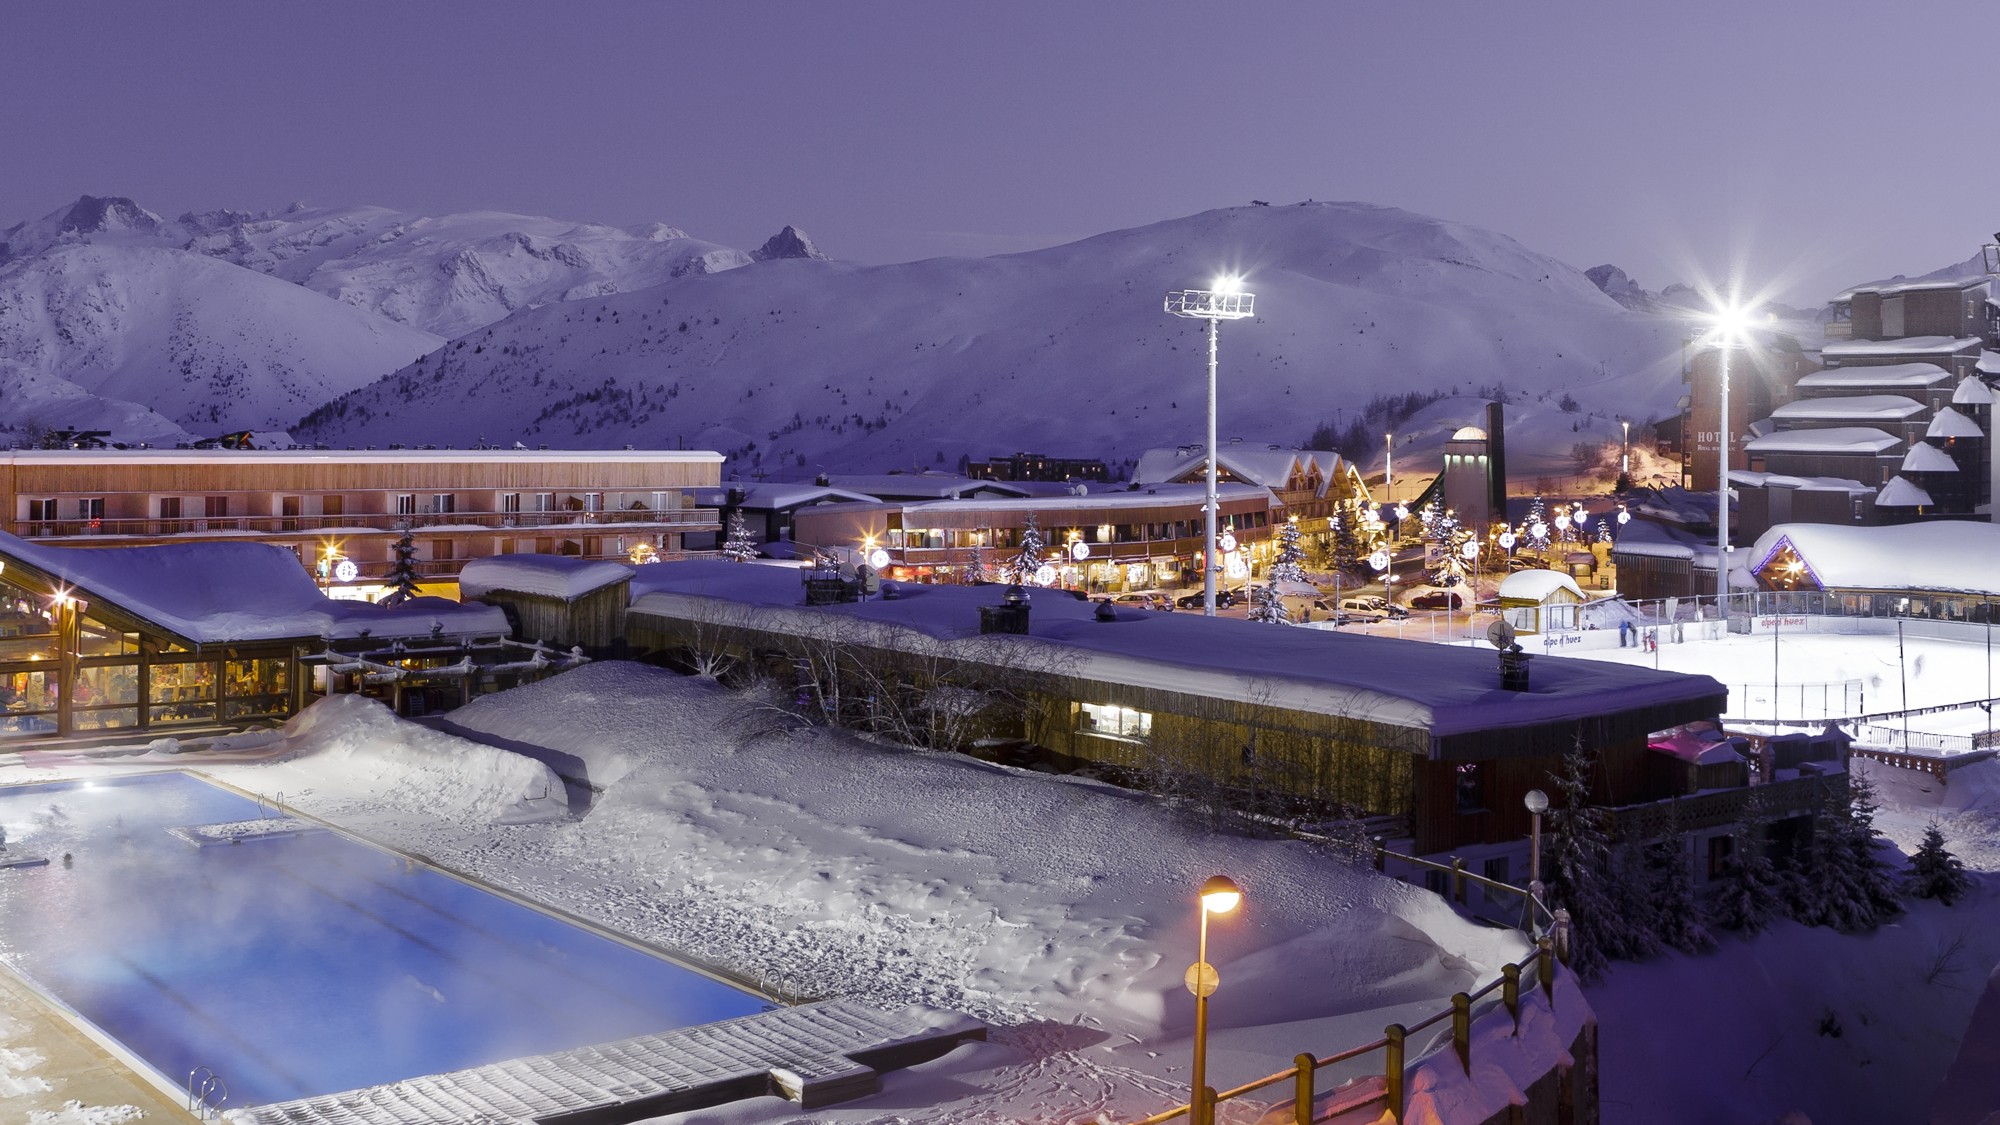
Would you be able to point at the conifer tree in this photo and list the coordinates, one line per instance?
(403, 574)
(1029, 559)
(1877, 881)
(1267, 606)
(975, 567)
(1934, 871)
(1677, 914)
(1579, 866)
(1347, 552)
(1286, 565)
(1840, 880)
(1750, 891)
(1630, 887)
(738, 547)
(1536, 526)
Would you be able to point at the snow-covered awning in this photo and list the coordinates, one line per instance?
(1839, 439)
(1972, 391)
(1928, 459)
(1880, 408)
(1900, 493)
(1950, 423)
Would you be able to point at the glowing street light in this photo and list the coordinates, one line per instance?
(1219, 895)
(1226, 301)
(1725, 333)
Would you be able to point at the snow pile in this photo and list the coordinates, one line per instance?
(548, 576)
(362, 745)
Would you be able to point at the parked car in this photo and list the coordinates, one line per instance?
(1159, 602)
(1438, 599)
(1224, 599)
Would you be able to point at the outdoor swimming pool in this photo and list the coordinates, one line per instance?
(305, 964)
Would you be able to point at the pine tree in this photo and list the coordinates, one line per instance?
(1022, 567)
(1347, 552)
(1840, 879)
(738, 547)
(1750, 891)
(1286, 566)
(1536, 526)
(975, 567)
(403, 574)
(1877, 880)
(1267, 606)
(1579, 867)
(1636, 936)
(1677, 913)
(1934, 871)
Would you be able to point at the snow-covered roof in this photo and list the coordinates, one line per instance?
(1949, 423)
(1445, 691)
(1888, 375)
(1269, 467)
(917, 486)
(214, 593)
(1152, 495)
(1972, 391)
(776, 495)
(1881, 408)
(1753, 479)
(1890, 288)
(1928, 459)
(1838, 439)
(548, 576)
(1655, 540)
(1904, 345)
(1690, 746)
(1537, 585)
(1900, 493)
(1989, 362)
(301, 456)
(1945, 555)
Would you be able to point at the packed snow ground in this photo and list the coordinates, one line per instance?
(1061, 910)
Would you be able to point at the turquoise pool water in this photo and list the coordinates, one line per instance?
(308, 964)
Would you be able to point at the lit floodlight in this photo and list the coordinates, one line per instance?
(1226, 301)
(1228, 283)
(1727, 322)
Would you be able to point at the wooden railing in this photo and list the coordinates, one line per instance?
(1390, 1088)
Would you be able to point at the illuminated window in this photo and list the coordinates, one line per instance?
(1113, 721)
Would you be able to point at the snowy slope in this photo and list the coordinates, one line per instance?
(450, 274)
(1065, 349)
(207, 345)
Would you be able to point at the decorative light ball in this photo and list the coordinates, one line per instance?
(1079, 551)
(1624, 516)
(1044, 574)
(1226, 541)
(878, 558)
(1470, 550)
(1562, 523)
(1507, 540)
(345, 571)
(1379, 560)
(1539, 530)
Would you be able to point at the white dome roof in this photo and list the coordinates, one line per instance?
(1469, 433)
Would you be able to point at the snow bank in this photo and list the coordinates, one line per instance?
(357, 742)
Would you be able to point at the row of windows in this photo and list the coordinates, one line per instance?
(935, 538)
(51, 510)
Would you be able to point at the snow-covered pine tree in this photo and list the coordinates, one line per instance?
(1750, 891)
(1840, 880)
(1432, 517)
(403, 572)
(1029, 559)
(1636, 937)
(738, 547)
(975, 567)
(1536, 526)
(1267, 606)
(1579, 866)
(1288, 564)
(1934, 871)
(1877, 880)
(1677, 913)
(1347, 552)
(1604, 528)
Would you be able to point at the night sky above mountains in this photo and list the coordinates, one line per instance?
(1681, 142)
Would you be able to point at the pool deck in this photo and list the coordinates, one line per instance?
(814, 1054)
(46, 1063)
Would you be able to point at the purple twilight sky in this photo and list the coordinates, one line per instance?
(1803, 145)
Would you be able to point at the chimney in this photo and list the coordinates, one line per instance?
(1496, 458)
(1010, 616)
(1514, 668)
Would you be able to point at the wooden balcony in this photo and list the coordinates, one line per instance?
(1717, 808)
(674, 519)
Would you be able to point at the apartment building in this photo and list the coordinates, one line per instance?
(343, 511)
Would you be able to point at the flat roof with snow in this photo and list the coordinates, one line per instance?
(1838, 439)
(1878, 408)
(1887, 375)
(1449, 697)
(1904, 345)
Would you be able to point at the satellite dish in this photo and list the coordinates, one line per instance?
(847, 571)
(1500, 634)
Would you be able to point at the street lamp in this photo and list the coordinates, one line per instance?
(1227, 301)
(1725, 334)
(1219, 895)
(1538, 803)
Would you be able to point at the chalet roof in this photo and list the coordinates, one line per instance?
(1891, 288)
(1902, 345)
(1269, 467)
(776, 496)
(218, 593)
(921, 486)
(1989, 362)
(1924, 458)
(1900, 493)
(1753, 479)
(1656, 540)
(1881, 408)
(1448, 698)
(1887, 375)
(1537, 585)
(1943, 555)
(1839, 439)
(1950, 423)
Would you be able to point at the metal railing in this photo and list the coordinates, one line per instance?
(207, 1093)
(1390, 1088)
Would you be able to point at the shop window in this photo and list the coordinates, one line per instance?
(105, 697)
(95, 638)
(181, 692)
(29, 700)
(256, 688)
(1112, 721)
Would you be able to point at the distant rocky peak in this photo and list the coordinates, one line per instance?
(94, 215)
(1621, 288)
(788, 243)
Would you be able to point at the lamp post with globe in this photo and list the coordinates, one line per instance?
(1537, 803)
(1219, 895)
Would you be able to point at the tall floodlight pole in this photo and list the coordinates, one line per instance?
(1388, 504)
(1227, 301)
(1725, 335)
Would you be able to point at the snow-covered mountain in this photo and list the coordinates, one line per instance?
(112, 317)
(790, 364)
